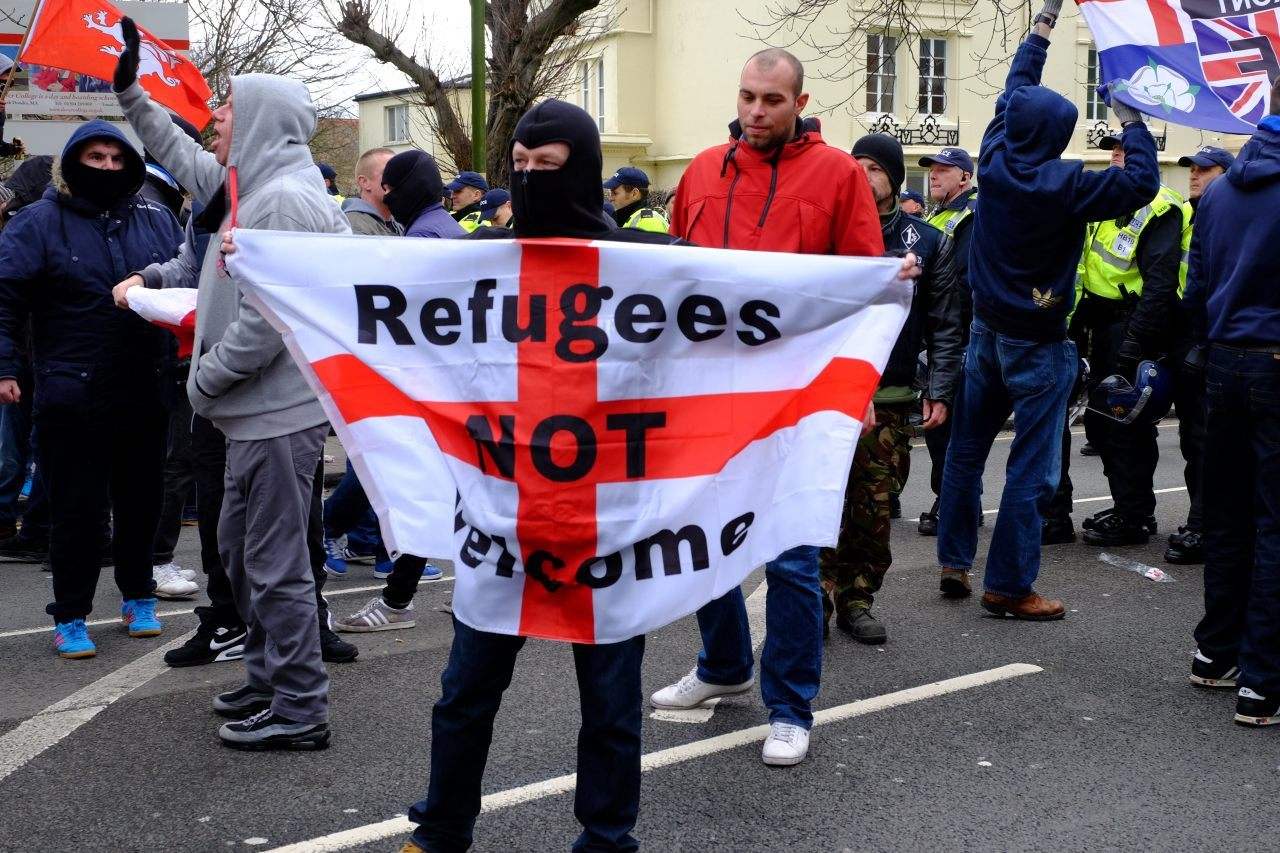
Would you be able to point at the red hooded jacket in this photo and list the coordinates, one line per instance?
(805, 197)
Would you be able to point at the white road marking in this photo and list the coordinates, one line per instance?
(1076, 501)
(33, 736)
(705, 711)
(1008, 436)
(328, 593)
(400, 825)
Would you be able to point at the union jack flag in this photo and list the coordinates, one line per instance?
(1239, 58)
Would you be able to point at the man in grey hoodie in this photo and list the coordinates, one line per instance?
(367, 212)
(244, 380)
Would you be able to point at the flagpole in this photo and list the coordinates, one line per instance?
(13, 69)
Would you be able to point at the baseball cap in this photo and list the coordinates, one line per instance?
(468, 179)
(493, 200)
(1111, 140)
(912, 195)
(629, 175)
(950, 157)
(326, 171)
(1208, 155)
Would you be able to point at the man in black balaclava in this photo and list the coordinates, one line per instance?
(98, 405)
(413, 189)
(555, 192)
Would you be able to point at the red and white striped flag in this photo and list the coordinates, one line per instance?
(173, 308)
(602, 436)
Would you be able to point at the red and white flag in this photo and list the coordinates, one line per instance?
(173, 308)
(84, 36)
(602, 436)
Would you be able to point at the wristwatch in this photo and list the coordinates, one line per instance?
(1047, 20)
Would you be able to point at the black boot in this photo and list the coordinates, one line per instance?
(1186, 548)
(1057, 531)
(1116, 530)
(334, 649)
(862, 626)
(929, 520)
(1092, 521)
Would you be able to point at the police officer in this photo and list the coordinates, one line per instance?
(911, 203)
(1131, 277)
(628, 191)
(853, 571)
(951, 190)
(1186, 546)
(495, 210)
(467, 194)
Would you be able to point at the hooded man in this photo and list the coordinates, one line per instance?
(413, 189)
(1235, 310)
(245, 382)
(555, 191)
(98, 402)
(1026, 242)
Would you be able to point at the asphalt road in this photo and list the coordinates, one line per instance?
(1098, 743)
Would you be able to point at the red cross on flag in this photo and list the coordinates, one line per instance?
(602, 436)
(84, 36)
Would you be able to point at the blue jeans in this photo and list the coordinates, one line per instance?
(1032, 380)
(347, 511)
(1242, 516)
(607, 799)
(791, 663)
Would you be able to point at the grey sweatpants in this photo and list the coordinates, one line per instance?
(262, 536)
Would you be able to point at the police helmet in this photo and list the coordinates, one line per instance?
(1144, 400)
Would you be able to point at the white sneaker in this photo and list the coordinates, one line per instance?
(377, 615)
(185, 574)
(171, 584)
(691, 691)
(787, 744)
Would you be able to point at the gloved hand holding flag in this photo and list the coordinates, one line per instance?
(1199, 63)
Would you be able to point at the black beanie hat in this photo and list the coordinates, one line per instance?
(415, 184)
(186, 127)
(887, 152)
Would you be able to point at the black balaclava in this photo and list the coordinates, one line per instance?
(887, 151)
(562, 202)
(415, 184)
(102, 188)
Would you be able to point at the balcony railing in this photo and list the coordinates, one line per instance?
(1101, 130)
(928, 130)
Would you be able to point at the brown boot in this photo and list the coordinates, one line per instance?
(955, 584)
(1033, 607)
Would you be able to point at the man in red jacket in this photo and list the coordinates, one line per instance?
(774, 186)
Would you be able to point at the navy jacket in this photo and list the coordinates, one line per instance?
(59, 259)
(1233, 285)
(1028, 229)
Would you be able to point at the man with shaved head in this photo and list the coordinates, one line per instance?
(774, 186)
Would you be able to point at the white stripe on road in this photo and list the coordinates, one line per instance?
(1008, 436)
(1076, 501)
(667, 757)
(33, 736)
(20, 632)
(705, 711)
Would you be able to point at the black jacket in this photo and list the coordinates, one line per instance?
(936, 321)
(1156, 323)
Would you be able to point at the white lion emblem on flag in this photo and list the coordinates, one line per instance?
(152, 60)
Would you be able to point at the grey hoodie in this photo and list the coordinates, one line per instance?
(242, 378)
(365, 219)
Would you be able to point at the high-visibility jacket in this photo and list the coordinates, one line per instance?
(1109, 263)
(948, 219)
(648, 219)
(471, 221)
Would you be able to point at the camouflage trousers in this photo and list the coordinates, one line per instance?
(853, 571)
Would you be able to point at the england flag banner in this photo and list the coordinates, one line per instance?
(1203, 63)
(602, 436)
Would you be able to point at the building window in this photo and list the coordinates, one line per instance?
(1094, 107)
(592, 75)
(397, 123)
(882, 72)
(918, 181)
(933, 77)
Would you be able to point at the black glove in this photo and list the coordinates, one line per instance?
(127, 65)
(1127, 357)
